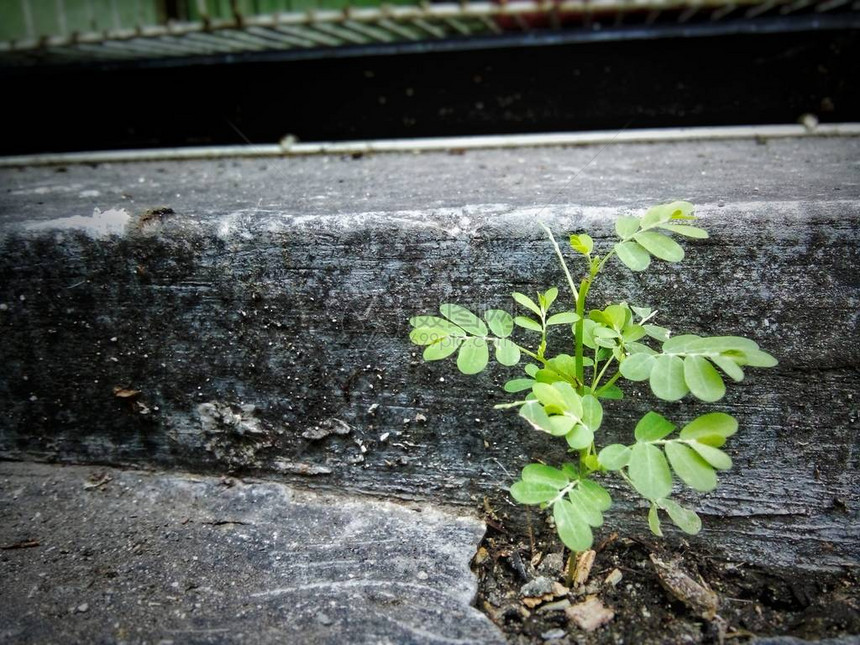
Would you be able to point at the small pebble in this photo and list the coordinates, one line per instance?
(83, 608)
(553, 635)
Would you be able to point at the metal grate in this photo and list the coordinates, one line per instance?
(142, 30)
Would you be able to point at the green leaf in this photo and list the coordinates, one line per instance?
(464, 318)
(507, 353)
(549, 297)
(653, 427)
(596, 494)
(592, 412)
(582, 243)
(649, 471)
(518, 385)
(574, 532)
(681, 344)
(722, 344)
(561, 425)
(642, 312)
(531, 493)
(435, 321)
(542, 474)
(580, 437)
(526, 302)
(531, 369)
(658, 214)
(660, 246)
(443, 349)
(686, 231)
(626, 226)
(637, 367)
(632, 333)
(684, 519)
(611, 392)
(758, 358)
(528, 323)
(563, 318)
(667, 378)
(654, 521)
(584, 508)
(657, 333)
(712, 429)
(729, 367)
(533, 412)
(428, 335)
(614, 456)
(474, 356)
(714, 456)
(690, 467)
(501, 322)
(703, 379)
(634, 256)
(550, 396)
(572, 400)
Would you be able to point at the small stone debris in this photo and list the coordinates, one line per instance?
(553, 635)
(551, 565)
(558, 605)
(697, 595)
(481, 556)
(540, 586)
(589, 614)
(613, 578)
(326, 428)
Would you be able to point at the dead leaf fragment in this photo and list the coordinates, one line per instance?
(481, 556)
(583, 567)
(696, 595)
(125, 392)
(589, 614)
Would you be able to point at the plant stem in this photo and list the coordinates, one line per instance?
(609, 383)
(580, 331)
(596, 381)
(563, 263)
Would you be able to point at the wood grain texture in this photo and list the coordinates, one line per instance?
(254, 329)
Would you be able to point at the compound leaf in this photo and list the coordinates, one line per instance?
(596, 494)
(583, 507)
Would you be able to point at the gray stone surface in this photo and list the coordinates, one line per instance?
(264, 321)
(135, 557)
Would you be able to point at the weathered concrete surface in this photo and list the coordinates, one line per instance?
(134, 557)
(264, 322)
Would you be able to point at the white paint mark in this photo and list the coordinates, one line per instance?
(99, 224)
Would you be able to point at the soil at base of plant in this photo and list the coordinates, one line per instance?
(754, 602)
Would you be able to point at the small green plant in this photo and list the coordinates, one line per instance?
(564, 391)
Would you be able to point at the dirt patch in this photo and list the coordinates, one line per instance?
(643, 592)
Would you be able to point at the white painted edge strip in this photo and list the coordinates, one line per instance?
(291, 148)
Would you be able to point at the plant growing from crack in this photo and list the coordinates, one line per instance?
(619, 342)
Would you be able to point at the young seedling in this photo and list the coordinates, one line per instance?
(619, 342)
